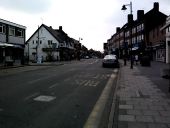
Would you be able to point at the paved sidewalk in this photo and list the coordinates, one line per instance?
(140, 103)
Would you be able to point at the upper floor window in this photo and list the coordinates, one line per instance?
(127, 34)
(20, 33)
(142, 26)
(2, 28)
(133, 30)
(50, 42)
(11, 31)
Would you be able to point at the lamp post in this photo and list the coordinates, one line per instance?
(79, 48)
(124, 8)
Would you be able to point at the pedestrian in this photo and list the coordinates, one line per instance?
(136, 59)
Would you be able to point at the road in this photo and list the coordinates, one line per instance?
(52, 97)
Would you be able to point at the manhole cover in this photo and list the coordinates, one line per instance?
(43, 98)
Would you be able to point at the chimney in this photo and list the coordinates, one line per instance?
(117, 29)
(156, 6)
(51, 27)
(60, 28)
(140, 15)
(130, 18)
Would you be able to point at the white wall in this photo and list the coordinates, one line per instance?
(44, 36)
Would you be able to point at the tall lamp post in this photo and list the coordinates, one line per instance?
(124, 8)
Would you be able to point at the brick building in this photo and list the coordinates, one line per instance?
(141, 35)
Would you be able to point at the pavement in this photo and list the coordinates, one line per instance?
(142, 99)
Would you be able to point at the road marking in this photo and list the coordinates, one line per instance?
(66, 79)
(95, 117)
(54, 85)
(80, 82)
(44, 98)
(31, 96)
(115, 70)
(34, 81)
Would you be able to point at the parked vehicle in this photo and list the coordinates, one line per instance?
(110, 61)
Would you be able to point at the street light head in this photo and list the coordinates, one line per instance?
(124, 7)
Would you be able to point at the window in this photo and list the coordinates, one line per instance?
(2, 28)
(142, 26)
(142, 37)
(33, 42)
(11, 31)
(133, 30)
(20, 33)
(36, 41)
(50, 42)
(40, 41)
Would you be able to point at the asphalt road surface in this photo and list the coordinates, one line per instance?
(52, 97)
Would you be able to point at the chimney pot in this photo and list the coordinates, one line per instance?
(60, 28)
(140, 15)
(117, 29)
(130, 18)
(156, 6)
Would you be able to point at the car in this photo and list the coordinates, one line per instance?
(110, 61)
(87, 57)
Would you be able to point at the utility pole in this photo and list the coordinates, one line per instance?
(37, 45)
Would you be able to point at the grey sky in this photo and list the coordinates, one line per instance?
(28, 6)
(93, 20)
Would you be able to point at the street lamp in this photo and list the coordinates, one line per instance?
(124, 8)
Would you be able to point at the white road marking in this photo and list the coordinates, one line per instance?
(80, 82)
(66, 79)
(54, 85)
(37, 80)
(31, 96)
(34, 81)
(44, 98)
(115, 70)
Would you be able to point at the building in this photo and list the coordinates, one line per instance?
(49, 44)
(136, 36)
(154, 38)
(167, 28)
(12, 42)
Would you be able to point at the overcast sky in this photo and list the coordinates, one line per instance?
(93, 20)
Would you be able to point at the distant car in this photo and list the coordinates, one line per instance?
(87, 57)
(110, 61)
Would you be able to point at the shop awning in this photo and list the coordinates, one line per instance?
(165, 26)
(6, 45)
(11, 45)
(135, 48)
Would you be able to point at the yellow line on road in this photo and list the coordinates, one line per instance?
(94, 119)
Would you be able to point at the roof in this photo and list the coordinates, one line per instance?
(59, 35)
(12, 24)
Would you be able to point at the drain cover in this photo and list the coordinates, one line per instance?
(44, 98)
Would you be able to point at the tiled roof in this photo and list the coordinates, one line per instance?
(59, 35)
